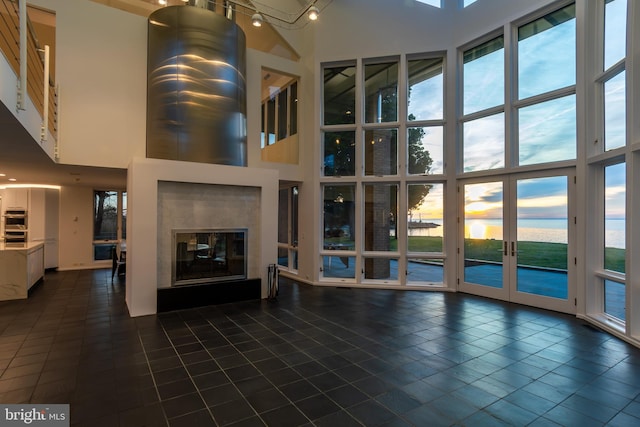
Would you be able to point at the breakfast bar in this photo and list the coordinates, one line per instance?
(21, 267)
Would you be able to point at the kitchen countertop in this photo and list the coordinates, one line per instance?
(21, 267)
(20, 247)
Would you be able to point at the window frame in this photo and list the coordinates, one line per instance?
(271, 116)
(121, 209)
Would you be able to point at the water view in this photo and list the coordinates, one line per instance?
(552, 230)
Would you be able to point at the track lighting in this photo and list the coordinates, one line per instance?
(263, 14)
(257, 20)
(313, 13)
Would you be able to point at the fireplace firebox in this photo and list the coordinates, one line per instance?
(208, 255)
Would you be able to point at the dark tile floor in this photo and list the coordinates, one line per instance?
(316, 356)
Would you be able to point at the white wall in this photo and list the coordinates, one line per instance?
(101, 68)
(256, 61)
(142, 219)
(373, 28)
(76, 229)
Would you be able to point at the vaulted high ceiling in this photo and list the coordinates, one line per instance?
(21, 157)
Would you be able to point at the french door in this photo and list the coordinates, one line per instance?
(516, 239)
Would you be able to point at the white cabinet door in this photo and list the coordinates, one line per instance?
(16, 198)
(36, 215)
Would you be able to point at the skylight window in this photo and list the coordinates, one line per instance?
(435, 3)
(468, 2)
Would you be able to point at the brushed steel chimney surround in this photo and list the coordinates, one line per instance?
(196, 88)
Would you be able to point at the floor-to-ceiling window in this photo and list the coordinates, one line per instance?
(425, 190)
(608, 158)
(382, 181)
(517, 162)
(547, 156)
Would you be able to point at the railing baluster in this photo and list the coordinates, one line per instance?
(45, 107)
(22, 84)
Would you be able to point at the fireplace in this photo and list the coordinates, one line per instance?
(202, 256)
(185, 196)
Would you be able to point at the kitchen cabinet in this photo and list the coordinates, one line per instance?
(42, 213)
(51, 228)
(43, 222)
(20, 269)
(15, 198)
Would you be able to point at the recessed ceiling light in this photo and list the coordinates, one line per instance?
(2, 174)
(12, 179)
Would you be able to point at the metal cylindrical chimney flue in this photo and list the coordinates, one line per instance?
(196, 88)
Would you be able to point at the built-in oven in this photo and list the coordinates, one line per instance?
(15, 236)
(15, 225)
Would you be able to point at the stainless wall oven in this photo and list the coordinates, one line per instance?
(15, 226)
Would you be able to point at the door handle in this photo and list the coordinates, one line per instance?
(513, 248)
(506, 251)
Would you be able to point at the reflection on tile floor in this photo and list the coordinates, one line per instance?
(317, 356)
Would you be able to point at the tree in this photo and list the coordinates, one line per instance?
(105, 215)
(419, 163)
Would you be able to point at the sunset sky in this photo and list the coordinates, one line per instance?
(546, 132)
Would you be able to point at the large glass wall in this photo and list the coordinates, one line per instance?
(543, 99)
(608, 163)
(382, 172)
(518, 116)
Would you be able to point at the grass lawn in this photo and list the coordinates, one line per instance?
(549, 255)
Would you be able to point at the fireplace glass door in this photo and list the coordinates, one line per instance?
(205, 256)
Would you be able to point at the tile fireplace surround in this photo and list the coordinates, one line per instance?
(183, 206)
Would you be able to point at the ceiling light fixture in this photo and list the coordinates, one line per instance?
(313, 13)
(52, 187)
(261, 12)
(257, 20)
